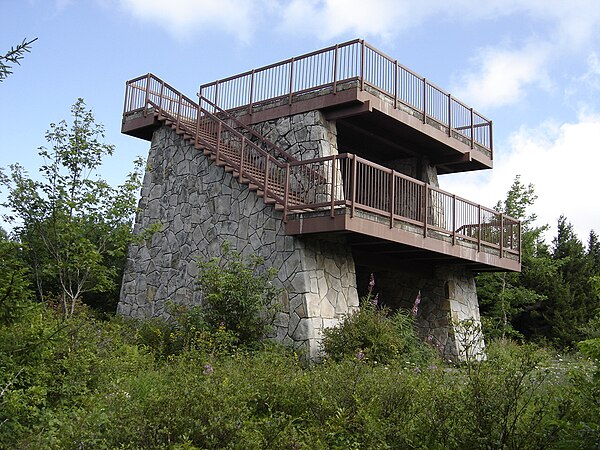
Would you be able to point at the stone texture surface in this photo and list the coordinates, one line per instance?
(199, 206)
(304, 136)
(448, 299)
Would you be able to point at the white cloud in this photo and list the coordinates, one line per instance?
(328, 19)
(184, 18)
(560, 160)
(574, 22)
(502, 76)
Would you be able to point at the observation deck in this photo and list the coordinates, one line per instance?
(383, 110)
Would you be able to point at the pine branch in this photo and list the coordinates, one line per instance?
(13, 56)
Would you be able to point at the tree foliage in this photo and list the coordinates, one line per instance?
(553, 297)
(72, 225)
(15, 289)
(14, 56)
(238, 294)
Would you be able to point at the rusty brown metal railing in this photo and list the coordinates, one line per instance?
(257, 161)
(349, 184)
(335, 66)
(338, 184)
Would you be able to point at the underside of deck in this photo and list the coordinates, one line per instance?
(400, 246)
(370, 126)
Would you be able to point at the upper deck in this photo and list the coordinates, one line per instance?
(383, 110)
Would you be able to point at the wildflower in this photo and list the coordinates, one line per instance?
(360, 355)
(375, 300)
(371, 284)
(208, 369)
(415, 308)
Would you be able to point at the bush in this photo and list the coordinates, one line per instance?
(378, 336)
(15, 290)
(238, 294)
(185, 330)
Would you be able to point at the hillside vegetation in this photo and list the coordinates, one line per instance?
(72, 375)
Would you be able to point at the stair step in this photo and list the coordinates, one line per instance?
(229, 158)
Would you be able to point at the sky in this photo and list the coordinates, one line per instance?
(531, 66)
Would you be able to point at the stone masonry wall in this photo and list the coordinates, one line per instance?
(199, 206)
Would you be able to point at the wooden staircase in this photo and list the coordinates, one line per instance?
(251, 158)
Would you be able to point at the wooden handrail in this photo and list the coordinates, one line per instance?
(360, 61)
(329, 182)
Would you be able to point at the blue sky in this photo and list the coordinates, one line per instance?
(532, 66)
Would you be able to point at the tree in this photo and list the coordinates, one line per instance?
(503, 297)
(15, 291)
(13, 56)
(572, 299)
(73, 226)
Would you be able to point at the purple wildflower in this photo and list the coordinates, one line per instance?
(371, 284)
(208, 369)
(415, 308)
(360, 355)
(375, 300)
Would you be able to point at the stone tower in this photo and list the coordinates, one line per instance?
(331, 180)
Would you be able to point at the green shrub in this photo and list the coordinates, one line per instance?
(238, 294)
(15, 289)
(378, 336)
(185, 330)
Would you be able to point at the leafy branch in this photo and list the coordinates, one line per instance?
(14, 56)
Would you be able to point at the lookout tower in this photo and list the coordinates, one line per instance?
(326, 165)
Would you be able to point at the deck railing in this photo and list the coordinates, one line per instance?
(329, 185)
(333, 68)
(352, 185)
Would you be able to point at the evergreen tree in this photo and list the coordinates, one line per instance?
(572, 299)
(504, 297)
(13, 56)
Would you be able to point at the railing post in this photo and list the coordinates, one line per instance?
(178, 112)
(424, 100)
(478, 228)
(425, 209)
(519, 241)
(472, 129)
(501, 235)
(251, 92)
(160, 105)
(266, 184)
(392, 196)
(396, 84)
(291, 79)
(491, 141)
(333, 183)
(362, 65)
(449, 115)
(147, 95)
(453, 219)
(243, 148)
(354, 176)
(127, 97)
(286, 193)
(216, 102)
(198, 113)
(218, 149)
(335, 63)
